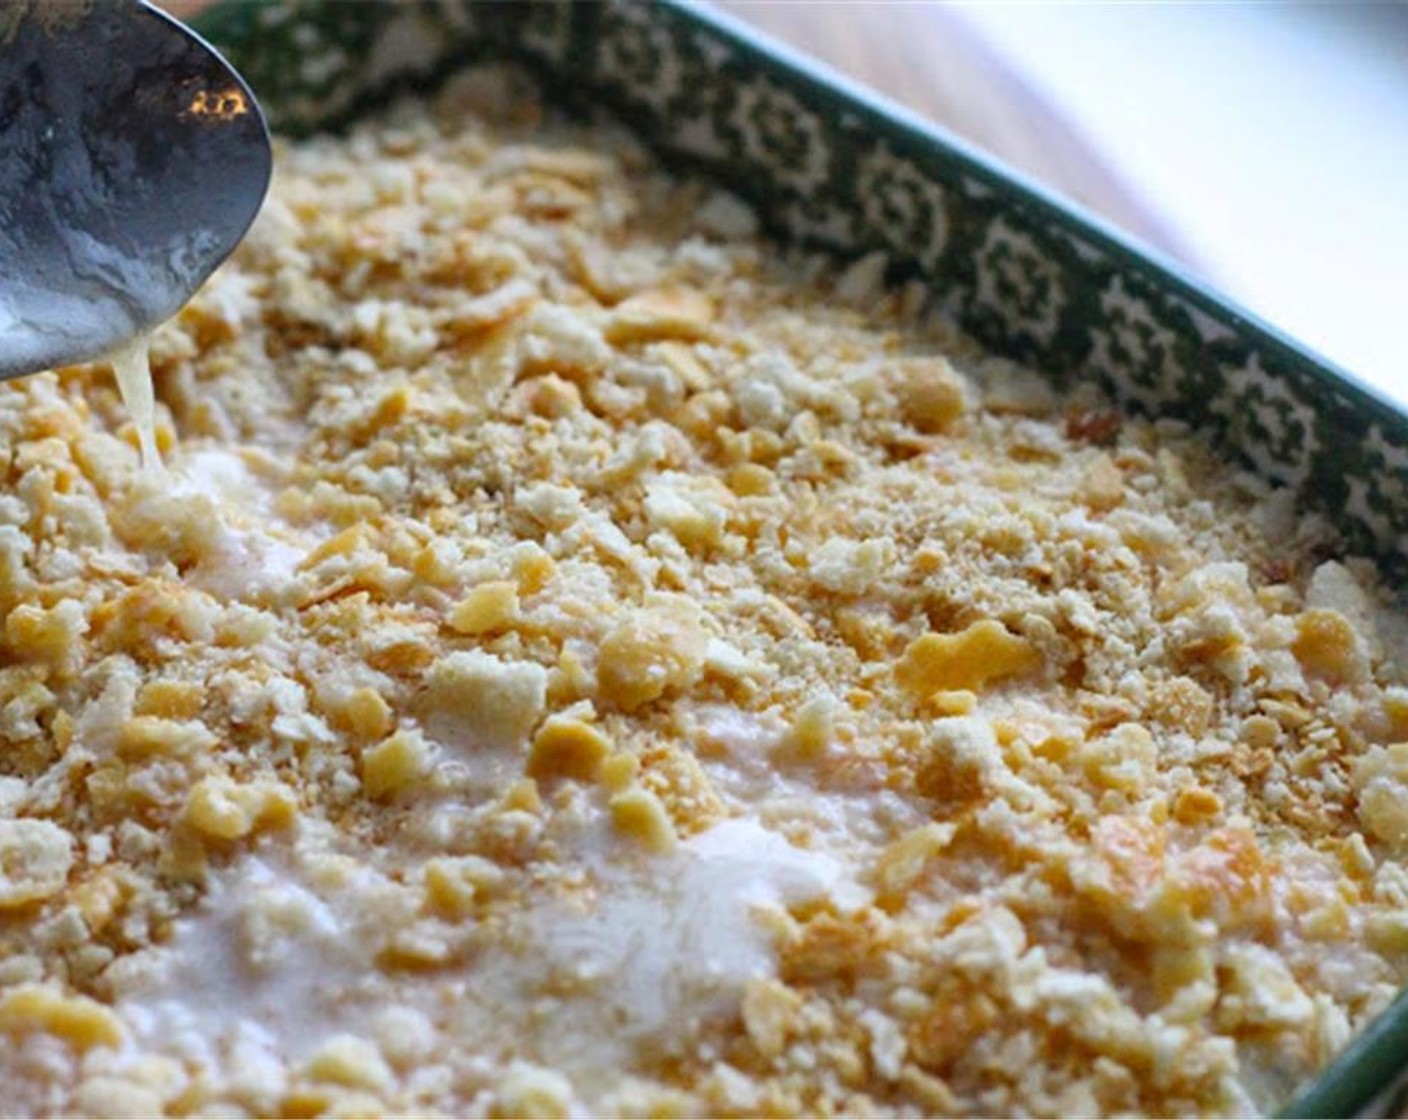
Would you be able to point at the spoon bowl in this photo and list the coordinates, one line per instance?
(132, 161)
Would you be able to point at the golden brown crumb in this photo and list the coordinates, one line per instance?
(580, 663)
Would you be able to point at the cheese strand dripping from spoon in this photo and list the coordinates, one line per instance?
(131, 365)
(132, 161)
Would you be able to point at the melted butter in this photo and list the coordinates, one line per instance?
(132, 367)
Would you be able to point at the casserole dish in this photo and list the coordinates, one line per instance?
(832, 165)
(824, 166)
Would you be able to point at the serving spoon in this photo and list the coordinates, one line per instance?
(132, 161)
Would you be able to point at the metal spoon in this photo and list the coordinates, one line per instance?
(132, 161)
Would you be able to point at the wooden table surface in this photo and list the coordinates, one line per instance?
(926, 56)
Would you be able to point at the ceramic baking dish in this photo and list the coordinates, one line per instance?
(830, 164)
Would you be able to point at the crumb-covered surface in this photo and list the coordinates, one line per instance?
(579, 662)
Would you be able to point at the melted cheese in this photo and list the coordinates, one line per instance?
(132, 367)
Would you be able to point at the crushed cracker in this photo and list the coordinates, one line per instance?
(581, 663)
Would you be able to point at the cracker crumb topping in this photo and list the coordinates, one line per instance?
(584, 660)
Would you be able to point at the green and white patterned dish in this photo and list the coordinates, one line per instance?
(831, 165)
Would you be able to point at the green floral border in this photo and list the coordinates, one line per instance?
(831, 165)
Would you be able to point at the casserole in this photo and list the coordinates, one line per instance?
(829, 164)
(821, 167)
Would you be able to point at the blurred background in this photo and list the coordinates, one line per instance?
(1262, 144)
